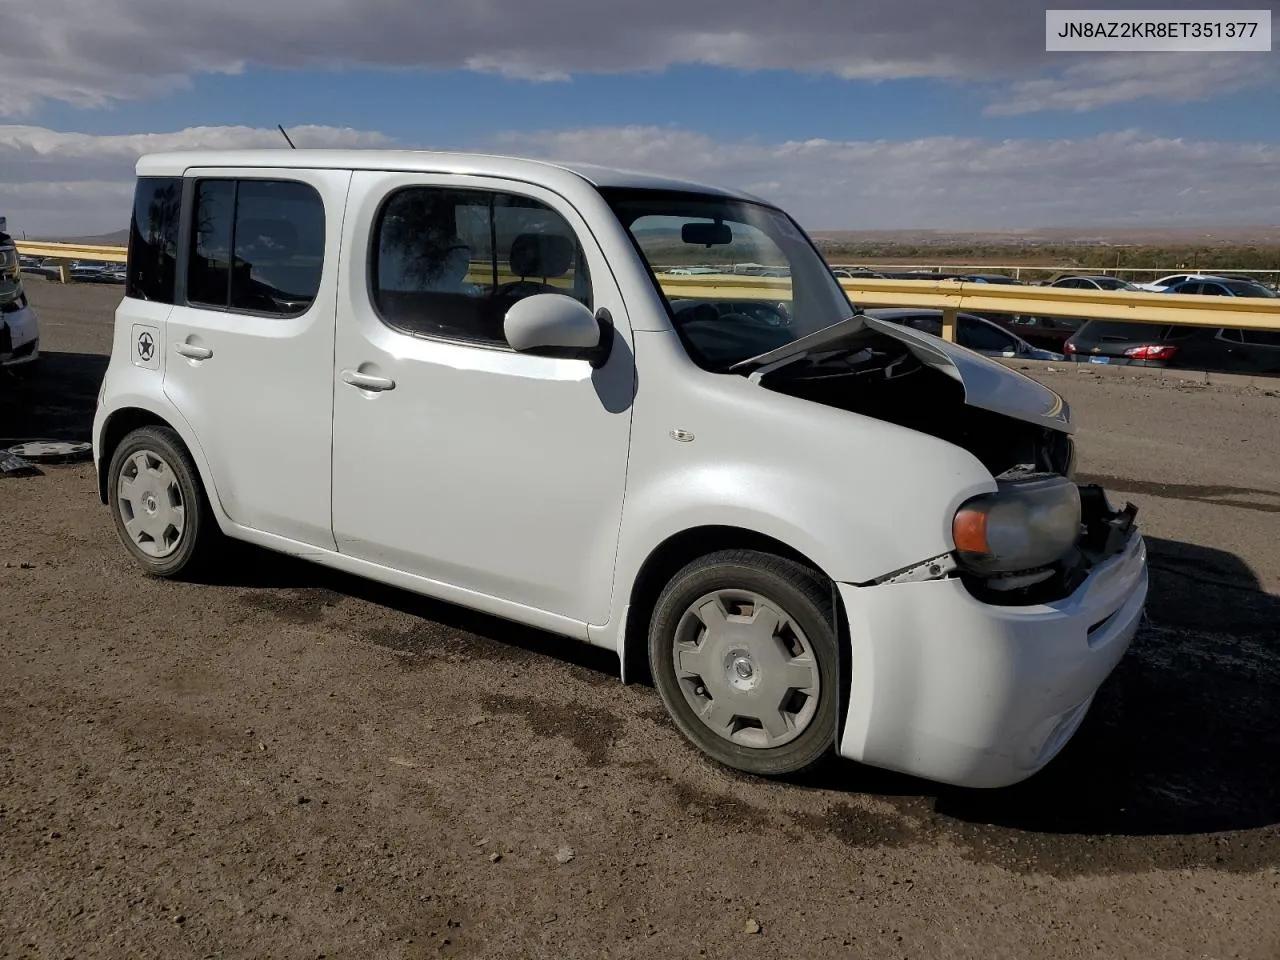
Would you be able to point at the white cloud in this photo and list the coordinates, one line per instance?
(126, 49)
(61, 184)
(1124, 179)
(1105, 81)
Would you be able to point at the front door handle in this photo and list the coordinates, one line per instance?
(367, 381)
(192, 352)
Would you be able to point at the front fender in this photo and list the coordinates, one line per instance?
(860, 497)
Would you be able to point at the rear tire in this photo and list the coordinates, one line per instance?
(743, 650)
(158, 503)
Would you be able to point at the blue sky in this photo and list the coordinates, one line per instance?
(882, 114)
(457, 108)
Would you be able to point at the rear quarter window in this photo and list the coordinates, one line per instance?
(153, 239)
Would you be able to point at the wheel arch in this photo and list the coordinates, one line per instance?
(122, 421)
(681, 548)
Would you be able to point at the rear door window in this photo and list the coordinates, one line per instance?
(257, 246)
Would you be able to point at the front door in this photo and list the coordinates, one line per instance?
(455, 458)
(250, 342)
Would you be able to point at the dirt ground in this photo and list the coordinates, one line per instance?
(294, 763)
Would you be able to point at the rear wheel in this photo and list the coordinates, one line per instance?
(158, 504)
(743, 652)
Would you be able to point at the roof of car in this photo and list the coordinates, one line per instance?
(424, 161)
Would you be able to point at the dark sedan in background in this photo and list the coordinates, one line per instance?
(1227, 349)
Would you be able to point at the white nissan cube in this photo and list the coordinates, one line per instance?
(479, 378)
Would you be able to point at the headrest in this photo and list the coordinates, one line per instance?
(541, 255)
(267, 235)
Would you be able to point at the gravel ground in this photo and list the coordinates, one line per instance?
(296, 763)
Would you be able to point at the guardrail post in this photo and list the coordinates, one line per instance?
(949, 324)
(64, 273)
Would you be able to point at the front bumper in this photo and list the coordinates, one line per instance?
(946, 687)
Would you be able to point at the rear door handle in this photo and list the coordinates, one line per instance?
(367, 381)
(192, 352)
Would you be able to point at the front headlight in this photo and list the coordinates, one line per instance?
(1026, 524)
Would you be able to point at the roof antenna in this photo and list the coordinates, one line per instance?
(286, 136)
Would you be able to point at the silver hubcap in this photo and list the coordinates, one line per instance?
(151, 504)
(746, 668)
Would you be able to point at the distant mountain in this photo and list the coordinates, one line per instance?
(1206, 236)
(118, 239)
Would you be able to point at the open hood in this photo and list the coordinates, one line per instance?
(987, 384)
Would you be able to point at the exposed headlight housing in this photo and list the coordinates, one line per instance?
(1027, 524)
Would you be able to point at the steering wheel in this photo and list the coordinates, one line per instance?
(774, 318)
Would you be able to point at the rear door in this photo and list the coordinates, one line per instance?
(250, 341)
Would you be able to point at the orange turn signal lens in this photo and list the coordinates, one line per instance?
(969, 529)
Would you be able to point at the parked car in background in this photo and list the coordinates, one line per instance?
(1092, 282)
(1052, 333)
(1164, 283)
(987, 278)
(19, 328)
(1159, 345)
(972, 331)
(1044, 333)
(1223, 287)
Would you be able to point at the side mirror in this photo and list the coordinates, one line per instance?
(556, 325)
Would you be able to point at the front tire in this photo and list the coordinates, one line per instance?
(742, 646)
(158, 504)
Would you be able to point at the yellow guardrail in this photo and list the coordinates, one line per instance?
(72, 251)
(949, 296)
(1016, 270)
(955, 296)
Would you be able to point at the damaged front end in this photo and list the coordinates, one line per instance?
(1036, 538)
(1100, 532)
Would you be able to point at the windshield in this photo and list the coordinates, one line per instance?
(739, 278)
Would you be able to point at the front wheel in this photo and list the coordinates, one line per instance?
(743, 651)
(158, 504)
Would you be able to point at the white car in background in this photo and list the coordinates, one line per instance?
(19, 328)
(1164, 283)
